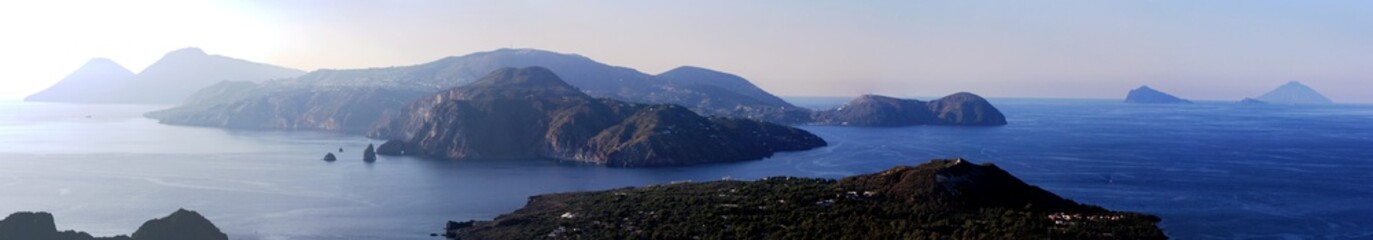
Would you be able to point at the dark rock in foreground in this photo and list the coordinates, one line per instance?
(882, 111)
(1294, 93)
(180, 225)
(1144, 94)
(393, 148)
(941, 199)
(532, 113)
(330, 157)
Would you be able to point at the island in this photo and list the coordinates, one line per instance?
(1145, 94)
(180, 225)
(1294, 92)
(881, 111)
(523, 113)
(940, 199)
(353, 100)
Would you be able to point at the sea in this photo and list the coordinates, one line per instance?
(1211, 170)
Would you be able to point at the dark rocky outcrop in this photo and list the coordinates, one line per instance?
(330, 157)
(1294, 93)
(349, 100)
(394, 148)
(369, 154)
(180, 225)
(1144, 94)
(170, 80)
(941, 199)
(882, 111)
(532, 113)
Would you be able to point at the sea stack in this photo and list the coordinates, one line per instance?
(369, 154)
(330, 157)
(1294, 93)
(1145, 94)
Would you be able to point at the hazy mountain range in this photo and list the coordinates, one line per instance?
(170, 80)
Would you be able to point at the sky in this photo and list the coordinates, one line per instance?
(1219, 50)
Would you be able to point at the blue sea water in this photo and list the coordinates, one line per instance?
(1210, 170)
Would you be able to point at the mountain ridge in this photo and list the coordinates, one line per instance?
(1147, 95)
(531, 113)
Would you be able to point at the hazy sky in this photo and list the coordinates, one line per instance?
(1079, 49)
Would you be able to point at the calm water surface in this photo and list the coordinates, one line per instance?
(1211, 170)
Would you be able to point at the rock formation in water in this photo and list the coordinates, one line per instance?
(1144, 94)
(170, 80)
(369, 154)
(180, 225)
(941, 199)
(350, 100)
(330, 157)
(1294, 93)
(89, 84)
(882, 111)
(532, 113)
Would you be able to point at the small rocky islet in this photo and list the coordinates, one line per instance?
(1147, 95)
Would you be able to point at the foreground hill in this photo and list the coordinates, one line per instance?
(168, 81)
(532, 113)
(882, 111)
(941, 199)
(1145, 94)
(349, 100)
(1294, 93)
(182, 224)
